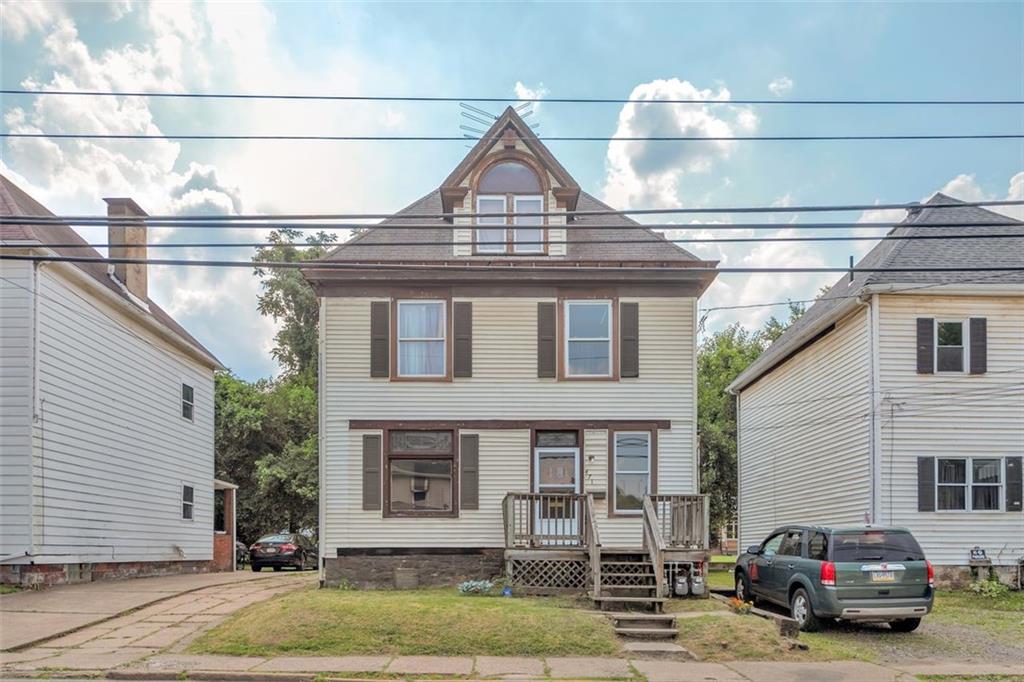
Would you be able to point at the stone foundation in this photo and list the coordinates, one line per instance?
(47, 575)
(959, 577)
(404, 569)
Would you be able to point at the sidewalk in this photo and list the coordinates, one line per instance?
(35, 616)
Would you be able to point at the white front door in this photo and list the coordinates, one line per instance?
(556, 471)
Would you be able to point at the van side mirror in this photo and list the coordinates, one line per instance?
(754, 549)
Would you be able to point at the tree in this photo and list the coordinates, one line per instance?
(288, 298)
(773, 328)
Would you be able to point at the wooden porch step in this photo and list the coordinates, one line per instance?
(610, 574)
(635, 615)
(606, 586)
(647, 632)
(626, 600)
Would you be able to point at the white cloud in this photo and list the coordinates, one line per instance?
(524, 92)
(21, 17)
(781, 86)
(648, 173)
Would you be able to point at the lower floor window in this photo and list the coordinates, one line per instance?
(969, 483)
(632, 463)
(421, 473)
(188, 499)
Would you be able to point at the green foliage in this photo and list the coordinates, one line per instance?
(475, 587)
(720, 359)
(289, 299)
(990, 589)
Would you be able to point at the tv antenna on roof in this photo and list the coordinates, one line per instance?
(484, 118)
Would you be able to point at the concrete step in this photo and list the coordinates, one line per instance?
(668, 623)
(647, 632)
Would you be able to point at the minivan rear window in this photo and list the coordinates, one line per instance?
(875, 545)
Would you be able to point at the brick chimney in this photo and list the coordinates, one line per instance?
(128, 240)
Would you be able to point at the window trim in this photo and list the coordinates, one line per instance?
(477, 244)
(965, 345)
(652, 466)
(613, 328)
(191, 505)
(182, 402)
(395, 339)
(969, 484)
(387, 458)
(542, 227)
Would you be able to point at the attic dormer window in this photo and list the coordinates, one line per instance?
(510, 187)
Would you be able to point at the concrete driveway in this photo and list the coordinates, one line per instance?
(34, 616)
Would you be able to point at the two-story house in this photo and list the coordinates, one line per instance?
(490, 383)
(106, 412)
(898, 397)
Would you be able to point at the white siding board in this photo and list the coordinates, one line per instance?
(15, 407)
(111, 450)
(950, 415)
(804, 445)
(504, 386)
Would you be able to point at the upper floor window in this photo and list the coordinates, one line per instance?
(510, 187)
(422, 338)
(588, 338)
(188, 499)
(188, 403)
(949, 346)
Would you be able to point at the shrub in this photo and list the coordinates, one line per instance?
(471, 587)
(990, 589)
(740, 607)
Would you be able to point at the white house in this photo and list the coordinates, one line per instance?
(527, 383)
(899, 397)
(106, 412)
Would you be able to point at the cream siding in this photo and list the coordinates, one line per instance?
(504, 386)
(950, 415)
(805, 436)
(111, 450)
(16, 288)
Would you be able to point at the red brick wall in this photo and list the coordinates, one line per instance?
(224, 543)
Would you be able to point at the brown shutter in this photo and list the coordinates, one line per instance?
(547, 343)
(380, 313)
(925, 345)
(371, 472)
(629, 339)
(469, 471)
(463, 327)
(979, 345)
(1014, 484)
(926, 484)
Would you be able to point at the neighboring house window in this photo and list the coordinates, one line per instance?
(188, 498)
(188, 405)
(420, 469)
(969, 484)
(421, 339)
(510, 187)
(632, 463)
(588, 338)
(950, 346)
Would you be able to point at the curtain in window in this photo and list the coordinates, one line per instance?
(421, 339)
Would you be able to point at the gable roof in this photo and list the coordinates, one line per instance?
(908, 253)
(436, 241)
(16, 202)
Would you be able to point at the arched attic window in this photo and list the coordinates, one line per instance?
(510, 187)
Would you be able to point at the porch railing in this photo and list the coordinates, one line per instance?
(548, 520)
(654, 545)
(594, 543)
(682, 521)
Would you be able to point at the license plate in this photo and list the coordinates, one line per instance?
(883, 576)
(270, 550)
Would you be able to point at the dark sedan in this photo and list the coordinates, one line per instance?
(281, 550)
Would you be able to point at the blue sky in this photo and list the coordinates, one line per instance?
(727, 51)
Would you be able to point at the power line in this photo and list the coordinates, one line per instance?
(513, 100)
(906, 206)
(546, 138)
(725, 240)
(476, 266)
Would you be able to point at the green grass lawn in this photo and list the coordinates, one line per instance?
(720, 579)
(723, 559)
(418, 622)
(1001, 618)
(9, 589)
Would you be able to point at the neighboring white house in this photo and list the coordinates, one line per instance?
(898, 397)
(521, 356)
(106, 412)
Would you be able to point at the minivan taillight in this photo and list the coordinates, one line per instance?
(931, 573)
(828, 573)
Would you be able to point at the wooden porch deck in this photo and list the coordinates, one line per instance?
(552, 544)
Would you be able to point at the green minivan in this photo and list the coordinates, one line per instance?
(862, 573)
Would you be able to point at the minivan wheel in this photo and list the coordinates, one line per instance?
(803, 614)
(905, 625)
